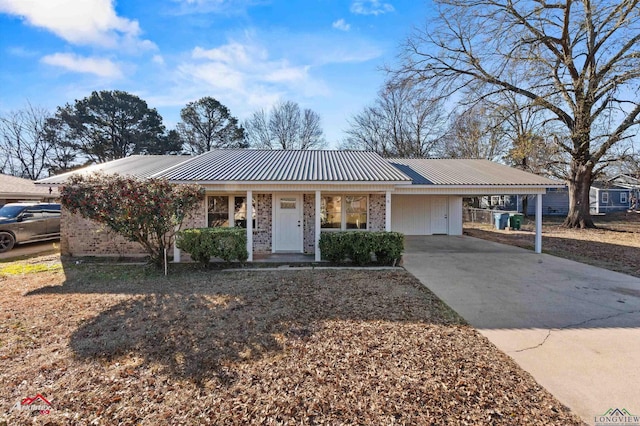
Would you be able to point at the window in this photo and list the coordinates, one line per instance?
(344, 212)
(218, 211)
(356, 212)
(605, 197)
(623, 198)
(288, 203)
(240, 212)
(331, 212)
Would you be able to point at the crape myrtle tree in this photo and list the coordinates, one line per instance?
(148, 211)
(578, 60)
(207, 124)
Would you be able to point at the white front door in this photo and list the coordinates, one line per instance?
(288, 230)
(439, 215)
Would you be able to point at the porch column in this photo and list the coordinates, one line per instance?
(387, 211)
(250, 225)
(176, 250)
(539, 223)
(317, 227)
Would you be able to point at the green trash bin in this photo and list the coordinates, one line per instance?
(515, 221)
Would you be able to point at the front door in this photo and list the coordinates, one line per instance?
(439, 215)
(288, 229)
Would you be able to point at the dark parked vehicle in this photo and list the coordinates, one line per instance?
(28, 222)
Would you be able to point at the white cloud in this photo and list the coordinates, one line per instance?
(223, 7)
(158, 59)
(371, 7)
(85, 22)
(245, 71)
(342, 25)
(22, 52)
(98, 66)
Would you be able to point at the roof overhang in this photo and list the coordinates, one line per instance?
(294, 186)
(474, 189)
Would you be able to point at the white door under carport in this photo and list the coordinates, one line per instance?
(426, 214)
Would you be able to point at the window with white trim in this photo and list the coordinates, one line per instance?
(605, 197)
(225, 210)
(217, 211)
(344, 212)
(240, 212)
(623, 198)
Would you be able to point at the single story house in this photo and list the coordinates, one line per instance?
(286, 199)
(14, 189)
(555, 202)
(620, 193)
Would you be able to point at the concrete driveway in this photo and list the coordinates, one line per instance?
(575, 328)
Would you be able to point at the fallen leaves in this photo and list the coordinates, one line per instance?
(273, 348)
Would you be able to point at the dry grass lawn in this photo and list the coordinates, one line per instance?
(109, 344)
(615, 245)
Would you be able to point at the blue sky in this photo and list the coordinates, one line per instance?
(249, 54)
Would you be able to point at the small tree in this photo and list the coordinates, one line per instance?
(148, 211)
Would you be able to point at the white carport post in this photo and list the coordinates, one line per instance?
(387, 211)
(539, 223)
(317, 227)
(249, 219)
(176, 250)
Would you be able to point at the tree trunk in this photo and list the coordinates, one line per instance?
(579, 215)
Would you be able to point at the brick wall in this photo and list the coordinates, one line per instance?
(264, 225)
(309, 223)
(84, 237)
(377, 212)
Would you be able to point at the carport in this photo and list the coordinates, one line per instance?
(574, 327)
(432, 203)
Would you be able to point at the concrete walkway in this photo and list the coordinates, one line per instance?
(575, 328)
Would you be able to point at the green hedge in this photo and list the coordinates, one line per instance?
(204, 243)
(359, 246)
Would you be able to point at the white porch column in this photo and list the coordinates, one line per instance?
(317, 227)
(539, 223)
(387, 211)
(176, 250)
(250, 225)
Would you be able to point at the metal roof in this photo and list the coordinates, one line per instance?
(250, 165)
(15, 187)
(444, 171)
(140, 166)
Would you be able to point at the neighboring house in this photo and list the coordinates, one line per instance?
(555, 202)
(620, 193)
(286, 199)
(14, 189)
(606, 197)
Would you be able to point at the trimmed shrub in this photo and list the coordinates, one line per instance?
(359, 247)
(204, 243)
(388, 247)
